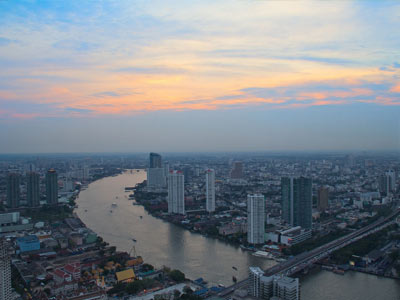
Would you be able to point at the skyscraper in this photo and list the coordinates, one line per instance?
(237, 170)
(387, 183)
(176, 193)
(210, 190)
(5, 272)
(255, 219)
(13, 192)
(51, 187)
(323, 199)
(33, 194)
(155, 160)
(156, 179)
(297, 201)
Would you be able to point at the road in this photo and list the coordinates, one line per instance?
(307, 258)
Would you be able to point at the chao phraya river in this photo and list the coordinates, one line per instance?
(161, 243)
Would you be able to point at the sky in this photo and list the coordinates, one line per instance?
(179, 76)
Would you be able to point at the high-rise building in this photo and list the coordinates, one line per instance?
(387, 183)
(272, 287)
(297, 201)
(155, 160)
(51, 187)
(156, 178)
(13, 191)
(323, 199)
(176, 193)
(255, 219)
(166, 169)
(33, 190)
(210, 190)
(5, 271)
(237, 170)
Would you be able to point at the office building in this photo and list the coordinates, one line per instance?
(176, 193)
(210, 190)
(255, 219)
(51, 187)
(156, 179)
(5, 271)
(13, 191)
(387, 183)
(323, 199)
(297, 201)
(272, 287)
(237, 170)
(155, 160)
(33, 189)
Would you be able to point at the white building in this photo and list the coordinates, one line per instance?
(272, 287)
(5, 272)
(176, 193)
(210, 190)
(255, 219)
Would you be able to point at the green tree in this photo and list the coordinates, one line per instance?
(177, 276)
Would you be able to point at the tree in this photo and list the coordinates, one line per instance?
(177, 276)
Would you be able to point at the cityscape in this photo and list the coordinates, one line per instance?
(199, 150)
(294, 214)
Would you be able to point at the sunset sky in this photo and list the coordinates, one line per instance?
(129, 76)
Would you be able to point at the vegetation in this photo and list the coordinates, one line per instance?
(139, 285)
(361, 247)
(177, 276)
(49, 213)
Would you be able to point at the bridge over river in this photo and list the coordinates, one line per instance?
(308, 258)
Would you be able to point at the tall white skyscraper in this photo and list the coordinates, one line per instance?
(176, 193)
(210, 190)
(5, 272)
(255, 219)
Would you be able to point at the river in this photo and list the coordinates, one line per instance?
(161, 243)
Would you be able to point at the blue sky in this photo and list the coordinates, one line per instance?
(199, 76)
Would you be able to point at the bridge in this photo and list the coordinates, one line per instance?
(308, 258)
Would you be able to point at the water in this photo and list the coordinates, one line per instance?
(161, 243)
(158, 242)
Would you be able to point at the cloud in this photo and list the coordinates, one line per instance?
(78, 110)
(5, 41)
(115, 94)
(150, 70)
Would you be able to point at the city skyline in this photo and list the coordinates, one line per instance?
(205, 76)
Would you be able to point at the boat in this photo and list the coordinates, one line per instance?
(141, 217)
(263, 254)
(221, 285)
(85, 210)
(280, 259)
(234, 268)
(234, 279)
(338, 271)
(114, 205)
(110, 211)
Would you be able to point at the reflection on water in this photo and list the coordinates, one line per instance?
(161, 243)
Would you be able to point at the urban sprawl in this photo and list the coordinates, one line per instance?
(334, 211)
